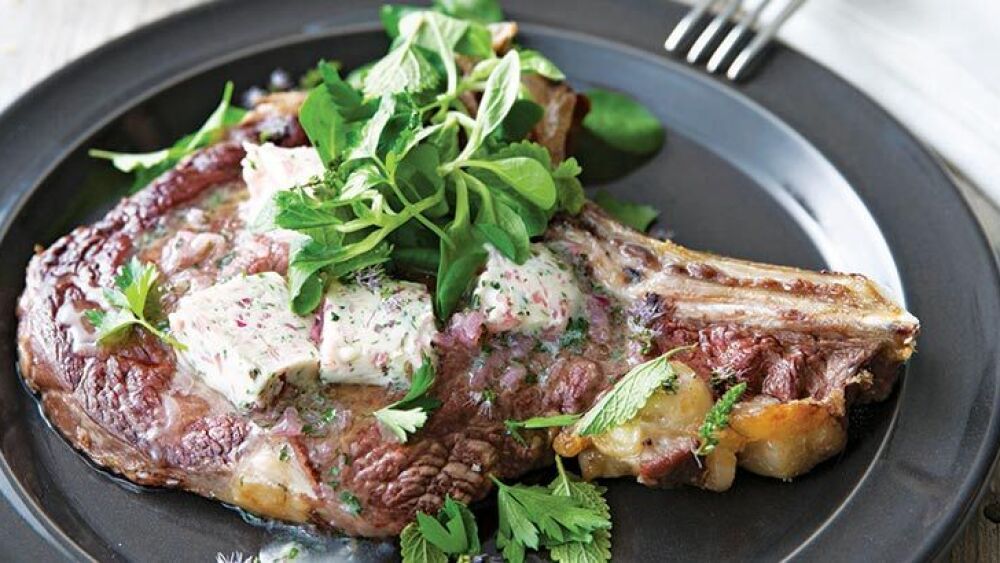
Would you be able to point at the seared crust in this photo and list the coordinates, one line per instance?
(105, 400)
(132, 411)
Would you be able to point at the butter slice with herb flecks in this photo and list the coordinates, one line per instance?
(243, 340)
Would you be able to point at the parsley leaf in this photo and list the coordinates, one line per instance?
(590, 496)
(634, 215)
(628, 395)
(717, 419)
(409, 414)
(532, 516)
(147, 166)
(513, 426)
(132, 296)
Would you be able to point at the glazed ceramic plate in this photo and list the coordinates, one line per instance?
(794, 167)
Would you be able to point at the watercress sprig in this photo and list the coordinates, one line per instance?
(401, 186)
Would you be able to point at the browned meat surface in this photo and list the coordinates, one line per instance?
(806, 343)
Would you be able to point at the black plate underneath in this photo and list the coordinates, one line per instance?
(795, 167)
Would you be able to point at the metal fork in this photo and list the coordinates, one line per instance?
(725, 10)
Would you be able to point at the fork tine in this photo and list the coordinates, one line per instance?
(735, 35)
(764, 36)
(686, 25)
(712, 31)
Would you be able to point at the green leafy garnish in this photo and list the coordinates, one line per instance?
(412, 178)
(134, 296)
(415, 548)
(635, 215)
(532, 517)
(513, 426)
(482, 11)
(404, 69)
(629, 394)
(147, 166)
(409, 414)
(623, 123)
(533, 61)
(717, 419)
(452, 532)
(575, 334)
(589, 496)
(350, 503)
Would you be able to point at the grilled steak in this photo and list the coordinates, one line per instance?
(807, 344)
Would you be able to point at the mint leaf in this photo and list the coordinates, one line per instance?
(521, 119)
(629, 394)
(418, 24)
(512, 224)
(415, 548)
(452, 532)
(637, 216)
(404, 69)
(623, 123)
(371, 132)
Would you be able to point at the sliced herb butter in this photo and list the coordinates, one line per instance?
(375, 333)
(541, 294)
(243, 340)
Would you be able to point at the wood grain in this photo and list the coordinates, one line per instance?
(39, 36)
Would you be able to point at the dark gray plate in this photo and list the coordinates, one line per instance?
(796, 167)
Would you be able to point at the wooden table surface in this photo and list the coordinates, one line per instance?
(39, 36)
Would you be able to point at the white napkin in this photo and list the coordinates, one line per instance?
(933, 64)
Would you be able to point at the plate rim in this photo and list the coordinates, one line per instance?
(942, 534)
